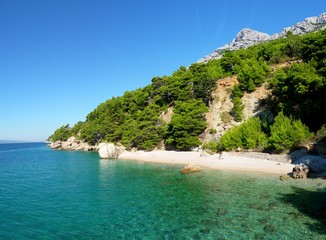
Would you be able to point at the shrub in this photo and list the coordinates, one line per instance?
(212, 131)
(61, 134)
(211, 145)
(246, 136)
(226, 117)
(287, 133)
(237, 103)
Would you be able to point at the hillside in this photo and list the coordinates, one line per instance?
(281, 81)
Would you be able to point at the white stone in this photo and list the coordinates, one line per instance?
(108, 151)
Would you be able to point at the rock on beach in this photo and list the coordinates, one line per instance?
(108, 151)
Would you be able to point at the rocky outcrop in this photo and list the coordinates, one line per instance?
(73, 144)
(219, 116)
(316, 164)
(108, 151)
(245, 38)
(191, 169)
(298, 154)
(248, 37)
(308, 25)
(300, 171)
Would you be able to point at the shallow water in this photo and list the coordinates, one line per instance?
(48, 194)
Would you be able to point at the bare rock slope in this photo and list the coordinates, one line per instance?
(248, 37)
(220, 116)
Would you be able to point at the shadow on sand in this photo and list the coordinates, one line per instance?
(310, 203)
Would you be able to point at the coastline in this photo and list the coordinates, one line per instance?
(223, 161)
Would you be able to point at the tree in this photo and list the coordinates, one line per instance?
(293, 45)
(229, 61)
(237, 109)
(204, 77)
(252, 74)
(61, 134)
(313, 50)
(300, 91)
(237, 103)
(246, 136)
(287, 133)
(186, 124)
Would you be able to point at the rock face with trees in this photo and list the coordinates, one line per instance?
(290, 71)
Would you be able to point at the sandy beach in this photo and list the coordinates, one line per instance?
(224, 161)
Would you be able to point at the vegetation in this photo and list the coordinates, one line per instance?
(133, 119)
(237, 103)
(252, 74)
(245, 136)
(61, 134)
(287, 133)
(211, 145)
(298, 101)
(186, 124)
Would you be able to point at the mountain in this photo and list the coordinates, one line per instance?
(248, 37)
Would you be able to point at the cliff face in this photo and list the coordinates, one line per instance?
(72, 144)
(248, 37)
(245, 38)
(219, 116)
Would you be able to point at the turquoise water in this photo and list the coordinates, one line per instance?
(48, 194)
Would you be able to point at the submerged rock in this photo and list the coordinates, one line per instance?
(108, 151)
(284, 177)
(191, 169)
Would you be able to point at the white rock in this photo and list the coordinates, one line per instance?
(245, 38)
(108, 151)
(71, 139)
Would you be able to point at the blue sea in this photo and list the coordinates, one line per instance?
(50, 194)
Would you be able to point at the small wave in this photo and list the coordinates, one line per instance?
(18, 150)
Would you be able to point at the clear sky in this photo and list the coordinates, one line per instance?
(59, 59)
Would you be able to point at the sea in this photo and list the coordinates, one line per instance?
(51, 194)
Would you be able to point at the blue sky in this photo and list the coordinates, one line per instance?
(59, 59)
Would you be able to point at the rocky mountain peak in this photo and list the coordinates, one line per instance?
(245, 38)
(248, 37)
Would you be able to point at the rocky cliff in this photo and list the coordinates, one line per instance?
(219, 117)
(73, 144)
(248, 37)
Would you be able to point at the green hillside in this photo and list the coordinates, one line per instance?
(298, 102)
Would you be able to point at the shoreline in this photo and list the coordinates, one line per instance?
(223, 161)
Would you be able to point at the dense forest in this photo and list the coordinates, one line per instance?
(298, 102)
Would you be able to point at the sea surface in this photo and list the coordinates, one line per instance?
(49, 194)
